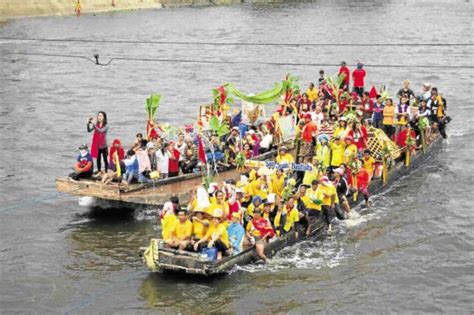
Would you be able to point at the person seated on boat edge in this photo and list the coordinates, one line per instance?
(233, 142)
(216, 236)
(167, 216)
(131, 168)
(258, 231)
(200, 220)
(116, 156)
(180, 232)
(144, 165)
(236, 233)
(84, 164)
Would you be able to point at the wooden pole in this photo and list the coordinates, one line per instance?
(384, 170)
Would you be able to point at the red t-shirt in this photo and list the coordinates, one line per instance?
(347, 72)
(308, 130)
(358, 75)
(173, 166)
(402, 138)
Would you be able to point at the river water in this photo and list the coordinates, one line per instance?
(412, 252)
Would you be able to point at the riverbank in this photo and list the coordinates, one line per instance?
(10, 9)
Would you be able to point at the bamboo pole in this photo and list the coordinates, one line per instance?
(384, 170)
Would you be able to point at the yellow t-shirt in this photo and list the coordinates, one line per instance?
(166, 224)
(277, 184)
(323, 154)
(291, 218)
(309, 176)
(339, 131)
(337, 153)
(310, 198)
(388, 115)
(256, 188)
(288, 158)
(219, 229)
(369, 165)
(199, 229)
(330, 191)
(182, 230)
(251, 208)
(312, 94)
(214, 205)
(350, 152)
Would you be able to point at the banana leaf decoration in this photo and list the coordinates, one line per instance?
(409, 143)
(384, 93)
(220, 128)
(152, 104)
(335, 85)
(423, 123)
(240, 161)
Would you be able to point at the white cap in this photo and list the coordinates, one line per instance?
(271, 198)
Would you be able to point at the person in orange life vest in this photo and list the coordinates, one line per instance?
(84, 165)
(347, 76)
(358, 134)
(116, 155)
(358, 76)
(258, 231)
(99, 139)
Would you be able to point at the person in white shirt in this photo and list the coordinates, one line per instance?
(163, 160)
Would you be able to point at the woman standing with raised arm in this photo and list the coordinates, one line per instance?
(99, 140)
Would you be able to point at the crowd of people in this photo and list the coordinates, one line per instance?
(335, 165)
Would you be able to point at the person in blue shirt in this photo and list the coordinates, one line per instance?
(131, 167)
(236, 234)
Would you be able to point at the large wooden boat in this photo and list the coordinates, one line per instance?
(192, 263)
(156, 193)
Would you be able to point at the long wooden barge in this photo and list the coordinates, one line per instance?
(172, 260)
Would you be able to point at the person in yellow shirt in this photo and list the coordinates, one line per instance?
(329, 200)
(314, 174)
(389, 118)
(322, 150)
(292, 216)
(219, 203)
(312, 92)
(256, 204)
(168, 217)
(313, 199)
(284, 156)
(180, 232)
(277, 182)
(216, 236)
(341, 129)
(350, 150)
(337, 152)
(259, 187)
(368, 163)
(200, 225)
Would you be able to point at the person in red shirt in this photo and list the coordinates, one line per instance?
(358, 76)
(347, 75)
(402, 140)
(308, 135)
(359, 134)
(173, 166)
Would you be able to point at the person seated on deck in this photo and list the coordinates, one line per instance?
(236, 234)
(200, 227)
(168, 216)
(258, 231)
(131, 167)
(138, 141)
(216, 236)
(180, 232)
(190, 160)
(283, 156)
(116, 165)
(144, 165)
(150, 148)
(84, 165)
